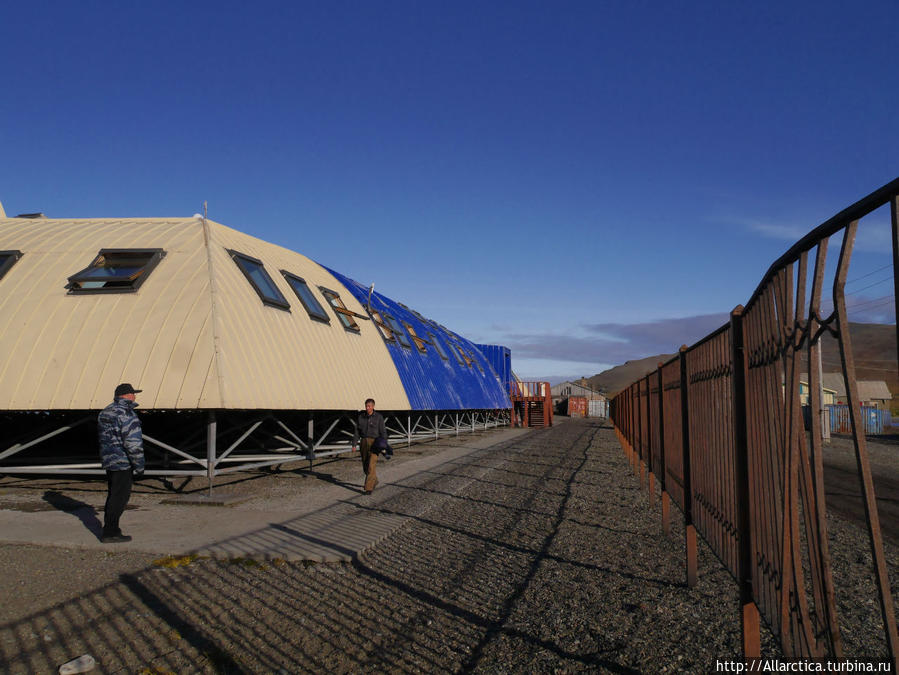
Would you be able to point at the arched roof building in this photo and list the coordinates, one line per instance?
(203, 317)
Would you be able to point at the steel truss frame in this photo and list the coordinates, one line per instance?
(218, 442)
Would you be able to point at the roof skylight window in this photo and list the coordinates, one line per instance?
(345, 316)
(465, 356)
(386, 333)
(260, 280)
(398, 331)
(116, 270)
(7, 260)
(454, 350)
(304, 293)
(419, 343)
(438, 347)
(461, 356)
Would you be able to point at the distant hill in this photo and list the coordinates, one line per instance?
(615, 379)
(874, 349)
(873, 346)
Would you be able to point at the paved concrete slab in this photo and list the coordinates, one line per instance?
(321, 522)
(214, 499)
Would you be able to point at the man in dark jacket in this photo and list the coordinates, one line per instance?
(121, 452)
(369, 426)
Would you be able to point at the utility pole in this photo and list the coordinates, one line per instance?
(825, 413)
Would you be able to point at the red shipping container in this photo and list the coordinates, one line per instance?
(577, 406)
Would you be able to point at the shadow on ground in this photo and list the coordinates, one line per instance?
(527, 557)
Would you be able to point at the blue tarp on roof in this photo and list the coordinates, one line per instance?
(463, 380)
(500, 358)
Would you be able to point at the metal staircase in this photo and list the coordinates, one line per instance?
(531, 404)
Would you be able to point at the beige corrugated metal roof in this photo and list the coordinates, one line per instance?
(825, 382)
(868, 390)
(194, 335)
(873, 390)
(575, 389)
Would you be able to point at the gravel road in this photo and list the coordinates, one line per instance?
(538, 554)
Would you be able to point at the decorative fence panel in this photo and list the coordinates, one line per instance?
(724, 425)
(674, 430)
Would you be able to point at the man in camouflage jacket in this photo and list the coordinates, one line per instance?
(121, 452)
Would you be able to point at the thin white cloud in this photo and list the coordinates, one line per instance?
(874, 235)
(785, 232)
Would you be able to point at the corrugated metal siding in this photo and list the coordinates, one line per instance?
(597, 408)
(274, 359)
(841, 423)
(60, 351)
(432, 383)
(500, 359)
(577, 406)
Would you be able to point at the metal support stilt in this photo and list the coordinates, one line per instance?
(210, 449)
(310, 430)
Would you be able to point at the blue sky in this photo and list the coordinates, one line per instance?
(585, 182)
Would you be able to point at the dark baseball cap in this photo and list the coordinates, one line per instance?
(126, 388)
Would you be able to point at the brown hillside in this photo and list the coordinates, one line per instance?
(873, 346)
(615, 379)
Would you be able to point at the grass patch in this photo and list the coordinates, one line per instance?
(171, 561)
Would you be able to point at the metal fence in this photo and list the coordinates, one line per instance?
(721, 427)
(841, 420)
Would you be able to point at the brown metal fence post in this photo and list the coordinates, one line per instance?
(894, 219)
(638, 434)
(629, 411)
(650, 464)
(641, 423)
(752, 646)
(666, 500)
(632, 395)
(689, 527)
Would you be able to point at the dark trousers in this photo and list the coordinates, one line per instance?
(119, 483)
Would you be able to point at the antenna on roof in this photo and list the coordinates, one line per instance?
(204, 209)
(370, 289)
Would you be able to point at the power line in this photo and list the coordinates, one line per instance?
(882, 300)
(864, 276)
(876, 283)
(873, 303)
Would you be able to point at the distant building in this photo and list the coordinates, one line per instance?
(566, 389)
(828, 395)
(871, 393)
(594, 405)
